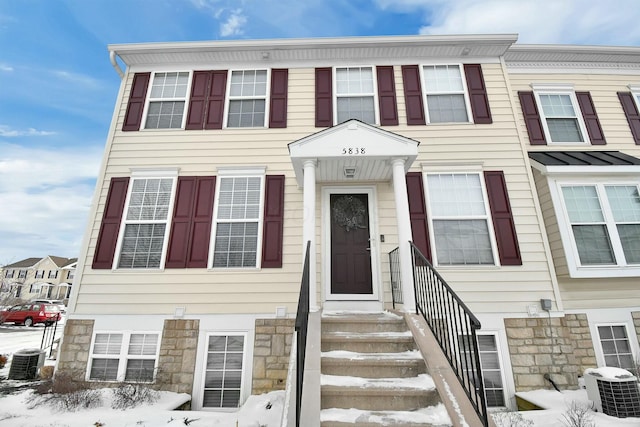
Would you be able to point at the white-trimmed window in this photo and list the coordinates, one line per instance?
(355, 92)
(22, 274)
(491, 367)
(167, 100)
(604, 222)
(459, 217)
(39, 274)
(445, 92)
(247, 98)
(124, 356)
(53, 274)
(71, 274)
(561, 117)
(223, 371)
(616, 347)
(9, 274)
(144, 234)
(238, 219)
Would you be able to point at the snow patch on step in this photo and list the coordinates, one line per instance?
(435, 415)
(420, 382)
(353, 355)
(370, 334)
(340, 313)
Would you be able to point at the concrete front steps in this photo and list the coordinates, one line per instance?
(373, 375)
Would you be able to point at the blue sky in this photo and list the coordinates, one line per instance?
(57, 87)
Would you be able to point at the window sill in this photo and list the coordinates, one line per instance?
(602, 272)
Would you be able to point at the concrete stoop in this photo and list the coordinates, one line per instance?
(373, 375)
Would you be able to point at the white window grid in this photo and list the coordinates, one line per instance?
(491, 365)
(353, 87)
(39, 274)
(167, 98)
(607, 221)
(22, 274)
(442, 82)
(481, 215)
(9, 274)
(119, 354)
(616, 346)
(225, 372)
(71, 274)
(231, 212)
(142, 214)
(247, 98)
(53, 274)
(565, 108)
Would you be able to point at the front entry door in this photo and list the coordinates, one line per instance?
(350, 244)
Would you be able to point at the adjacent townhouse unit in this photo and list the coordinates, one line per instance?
(48, 277)
(512, 169)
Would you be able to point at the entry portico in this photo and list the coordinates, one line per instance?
(347, 159)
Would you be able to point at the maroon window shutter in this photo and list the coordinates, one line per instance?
(191, 223)
(590, 118)
(413, 95)
(324, 98)
(181, 223)
(278, 104)
(133, 116)
(387, 96)
(110, 226)
(273, 222)
(532, 118)
(631, 111)
(503, 224)
(215, 103)
(418, 213)
(200, 235)
(477, 94)
(198, 100)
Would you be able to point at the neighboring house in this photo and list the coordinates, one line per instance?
(224, 158)
(39, 277)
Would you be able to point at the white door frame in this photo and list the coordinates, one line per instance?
(370, 191)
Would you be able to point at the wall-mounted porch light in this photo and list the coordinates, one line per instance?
(349, 171)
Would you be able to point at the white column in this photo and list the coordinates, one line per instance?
(404, 235)
(309, 227)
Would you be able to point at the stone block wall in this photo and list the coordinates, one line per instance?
(636, 322)
(73, 354)
(561, 347)
(271, 351)
(177, 358)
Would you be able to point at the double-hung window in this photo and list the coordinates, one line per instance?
(39, 274)
(124, 357)
(9, 274)
(560, 114)
(145, 226)
(355, 93)
(247, 98)
(616, 347)
(238, 218)
(167, 100)
(445, 91)
(53, 274)
(22, 274)
(604, 221)
(459, 216)
(490, 365)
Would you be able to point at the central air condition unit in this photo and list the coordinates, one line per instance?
(26, 363)
(613, 391)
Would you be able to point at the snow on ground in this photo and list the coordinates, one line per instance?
(434, 415)
(421, 382)
(352, 355)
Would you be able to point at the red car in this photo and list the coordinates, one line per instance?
(30, 314)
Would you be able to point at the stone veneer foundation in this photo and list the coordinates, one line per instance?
(636, 322)
(73, 354)
(271, 351)
(560, 346)
(177, 358)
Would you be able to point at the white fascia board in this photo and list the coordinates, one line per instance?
(586, 170)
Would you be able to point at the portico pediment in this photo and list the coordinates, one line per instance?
(352, 151)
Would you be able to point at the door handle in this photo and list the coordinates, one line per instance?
(367, 249)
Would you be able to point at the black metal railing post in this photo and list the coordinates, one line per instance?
(302, 323)
(396, 279)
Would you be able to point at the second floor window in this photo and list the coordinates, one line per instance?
(355, 94)
(9, 274)
(143, 240)
(561, 119)
(53, 274)
(167, 100)
(39, 274)
(445, 92)
(247, 98)
(22, 274)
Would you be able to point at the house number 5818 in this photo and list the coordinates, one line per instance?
(353, 150)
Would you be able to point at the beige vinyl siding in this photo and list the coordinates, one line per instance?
(610, 292)
(495, 146)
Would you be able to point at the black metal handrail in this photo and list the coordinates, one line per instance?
(302, 323)
(454, 327)
(396, 278)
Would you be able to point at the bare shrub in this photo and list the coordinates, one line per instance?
(65, 394)
(130, 395)
(510, 419)
(578, 415)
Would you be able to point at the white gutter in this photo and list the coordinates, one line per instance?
(112, 58)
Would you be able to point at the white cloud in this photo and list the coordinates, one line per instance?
(45, 196)
(7, 132)
(5, 67)
(233, 25)
(535, 21)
